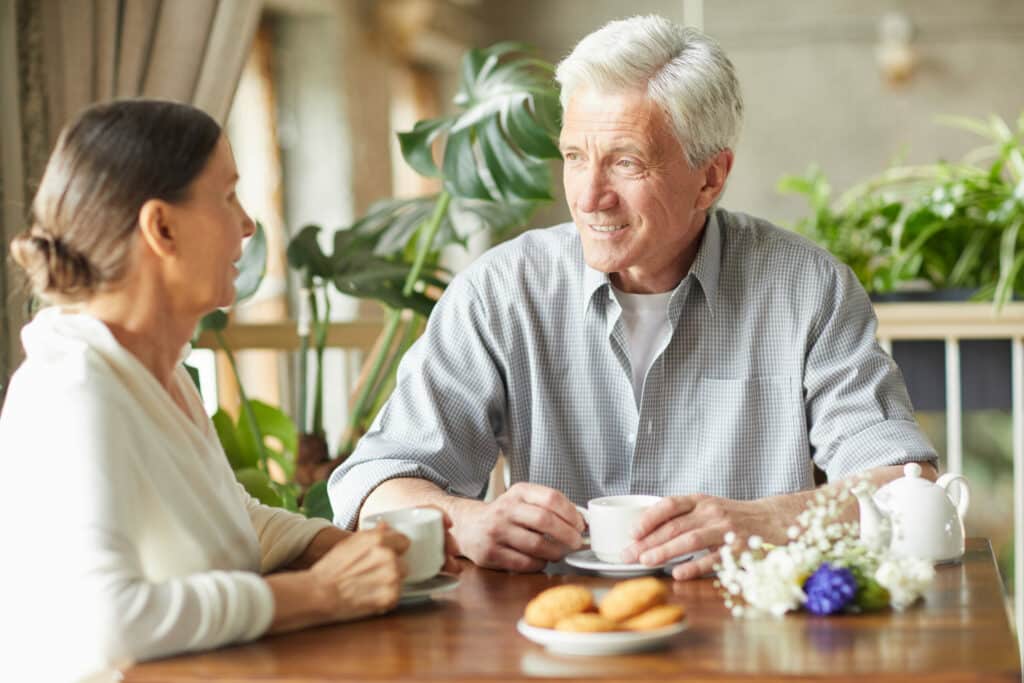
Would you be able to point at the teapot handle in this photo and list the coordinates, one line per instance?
(960, 494)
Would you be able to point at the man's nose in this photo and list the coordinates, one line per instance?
(597, 194)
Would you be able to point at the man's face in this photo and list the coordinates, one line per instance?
(638, 206)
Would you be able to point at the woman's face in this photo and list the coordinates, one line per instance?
(212, 224)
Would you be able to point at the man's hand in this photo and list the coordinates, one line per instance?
(522, 530)
(679, 525)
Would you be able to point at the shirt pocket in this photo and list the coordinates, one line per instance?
(752, 437)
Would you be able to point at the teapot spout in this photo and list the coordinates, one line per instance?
(875, 525)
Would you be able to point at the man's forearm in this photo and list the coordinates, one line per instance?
(409, 492)
(785, 508)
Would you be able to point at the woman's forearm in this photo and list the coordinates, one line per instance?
(299, 601)
(318, 547)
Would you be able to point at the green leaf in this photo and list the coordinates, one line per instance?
(287, 494)
(252, 265)
(527, 133)
(970, 124)
(1010, 264)
(418, 145)
(228, 437)
(259, 486)
(275, 422)
(517, 177)
(969, 259)
(305, 253)
(317, 503)
(214, 320)
(192, 372)
(461, 174)
(272, 422)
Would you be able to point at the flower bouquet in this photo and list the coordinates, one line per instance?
(825, 568)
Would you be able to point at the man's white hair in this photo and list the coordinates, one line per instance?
(686, 73)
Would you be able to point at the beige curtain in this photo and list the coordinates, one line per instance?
(186, 50)
(58, 56)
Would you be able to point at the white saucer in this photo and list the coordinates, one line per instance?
(586, 559)
(613, 643)
(416, 593)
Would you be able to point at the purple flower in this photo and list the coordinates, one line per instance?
(829, 589)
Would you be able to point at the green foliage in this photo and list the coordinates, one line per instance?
(951, 226)
(496, 144)
(494, 153)
(316, 503)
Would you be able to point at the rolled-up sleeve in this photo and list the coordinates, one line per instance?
(283, 535)
(444, 419)
(858, 410)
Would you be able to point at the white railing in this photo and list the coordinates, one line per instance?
(951, 323)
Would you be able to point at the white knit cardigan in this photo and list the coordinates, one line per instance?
(129, 537)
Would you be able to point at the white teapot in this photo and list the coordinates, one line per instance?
(913, 517)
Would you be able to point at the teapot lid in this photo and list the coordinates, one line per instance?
(908, 487)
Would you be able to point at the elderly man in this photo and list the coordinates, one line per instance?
(659, 345)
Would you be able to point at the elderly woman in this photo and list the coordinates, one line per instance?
(144, 544)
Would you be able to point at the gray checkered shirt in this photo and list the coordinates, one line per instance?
(772, 363)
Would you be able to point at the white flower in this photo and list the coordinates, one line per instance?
(905, 578)
(756, 580)
(772, 585)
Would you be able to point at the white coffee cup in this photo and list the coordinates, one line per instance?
(611, 521)
(424, 528)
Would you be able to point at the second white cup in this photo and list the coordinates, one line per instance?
(611, 522)
(425, 529)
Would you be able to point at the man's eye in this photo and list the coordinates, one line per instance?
(627, 163)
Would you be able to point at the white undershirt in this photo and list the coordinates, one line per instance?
(645, 321)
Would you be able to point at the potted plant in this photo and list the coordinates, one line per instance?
(941, 227)
(245, 440)
(494, 154)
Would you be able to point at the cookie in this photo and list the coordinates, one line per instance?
(654, 618)
(586, 622)
(554, 604)
(629, 598)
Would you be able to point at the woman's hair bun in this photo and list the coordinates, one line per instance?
(56, 272)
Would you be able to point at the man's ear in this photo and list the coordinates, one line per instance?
(715, 175)
(156, 228)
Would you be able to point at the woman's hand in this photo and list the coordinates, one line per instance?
(362, 575)
(451, 547)
(359, 576)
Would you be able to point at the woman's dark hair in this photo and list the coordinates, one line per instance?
(107, 163)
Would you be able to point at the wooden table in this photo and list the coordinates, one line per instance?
(961, 632)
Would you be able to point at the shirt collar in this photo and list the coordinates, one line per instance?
(708, 262)
(705, 268)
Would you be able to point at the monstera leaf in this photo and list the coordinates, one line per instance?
(495, 148)
(306, 254)
(391, 224)
(358, 271)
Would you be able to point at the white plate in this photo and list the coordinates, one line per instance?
(586, 559)
(613, 643)
(415, 593)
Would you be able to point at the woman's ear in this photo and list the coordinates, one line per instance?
(156, 228)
